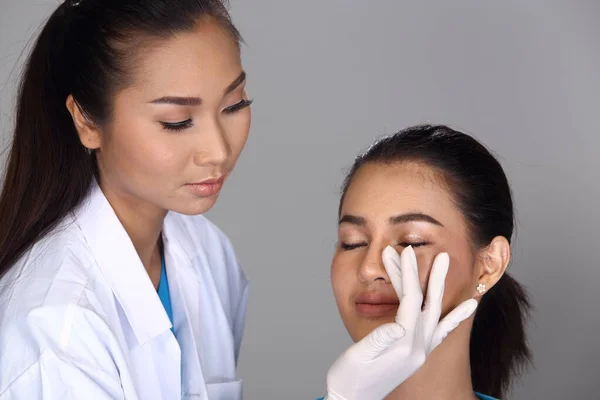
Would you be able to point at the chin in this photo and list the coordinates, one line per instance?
(196, 207)
(359, 333)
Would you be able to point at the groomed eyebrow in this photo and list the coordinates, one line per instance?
(352, 219)
(236, 82)
(414, 217)
(394, 220)
(196, 101)
(178, 101)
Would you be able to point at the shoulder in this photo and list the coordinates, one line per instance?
(41, 295)
(42, 298)
(53, 271)
(56, 340)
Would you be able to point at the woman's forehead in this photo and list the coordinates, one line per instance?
(400, 181)
(380, 190)
(189, 61)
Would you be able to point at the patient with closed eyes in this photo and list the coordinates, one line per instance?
(437, 190)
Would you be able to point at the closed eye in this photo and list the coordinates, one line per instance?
(351, 246)
(177, 126)
(415, 244)
(238, 106)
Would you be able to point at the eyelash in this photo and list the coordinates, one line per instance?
(179, 126)
(352, 246)
(237, 107)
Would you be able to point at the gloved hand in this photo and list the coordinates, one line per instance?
(373, 367)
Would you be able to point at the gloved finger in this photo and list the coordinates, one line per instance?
(409, 310)
(463, 311)
(435, 294)
(380, 339)
(391, 262)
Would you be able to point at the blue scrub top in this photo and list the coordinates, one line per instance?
(163, 289)
(484, 396)
(479, 396)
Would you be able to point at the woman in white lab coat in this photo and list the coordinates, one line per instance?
(131, 114)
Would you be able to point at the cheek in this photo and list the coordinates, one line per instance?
(458, 280)
(143, 149)
(458, 283)
(344, 283)
(341, 278)
(238, 129)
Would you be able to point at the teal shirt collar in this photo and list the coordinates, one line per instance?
(163, 289)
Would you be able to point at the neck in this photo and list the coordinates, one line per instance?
(143, 223)
(446, 374)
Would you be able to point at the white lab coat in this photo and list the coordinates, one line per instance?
(80, 318)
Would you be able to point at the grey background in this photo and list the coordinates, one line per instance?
(330, 76)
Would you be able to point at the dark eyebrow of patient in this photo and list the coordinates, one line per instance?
(394, 220)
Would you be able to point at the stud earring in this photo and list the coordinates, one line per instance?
(481, 288)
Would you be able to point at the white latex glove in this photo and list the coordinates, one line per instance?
(373, 367)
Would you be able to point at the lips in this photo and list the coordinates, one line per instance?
(376, 305)
(210, 181)
(208, 187)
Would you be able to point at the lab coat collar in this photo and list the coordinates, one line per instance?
(183, 245)
(121, 266)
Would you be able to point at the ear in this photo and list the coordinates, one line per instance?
(493, 261)
(89, 135)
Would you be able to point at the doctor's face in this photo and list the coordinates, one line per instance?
(398, 204)
(176, 133)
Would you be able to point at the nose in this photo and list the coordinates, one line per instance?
(372, 268)
(213, 147)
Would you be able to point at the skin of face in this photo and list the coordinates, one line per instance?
(194, 84)
(394, 204)
(183, 118)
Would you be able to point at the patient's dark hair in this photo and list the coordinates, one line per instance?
(498, 344)
(87, 49)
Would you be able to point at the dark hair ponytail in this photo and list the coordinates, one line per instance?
(84, 50)
(498, 345)
(49, 172)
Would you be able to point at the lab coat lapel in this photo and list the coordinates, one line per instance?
(123, 270)
(198, 301)
(178, 264)
(121, 266)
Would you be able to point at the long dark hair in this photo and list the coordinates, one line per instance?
(86, 49)
(498, 344)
